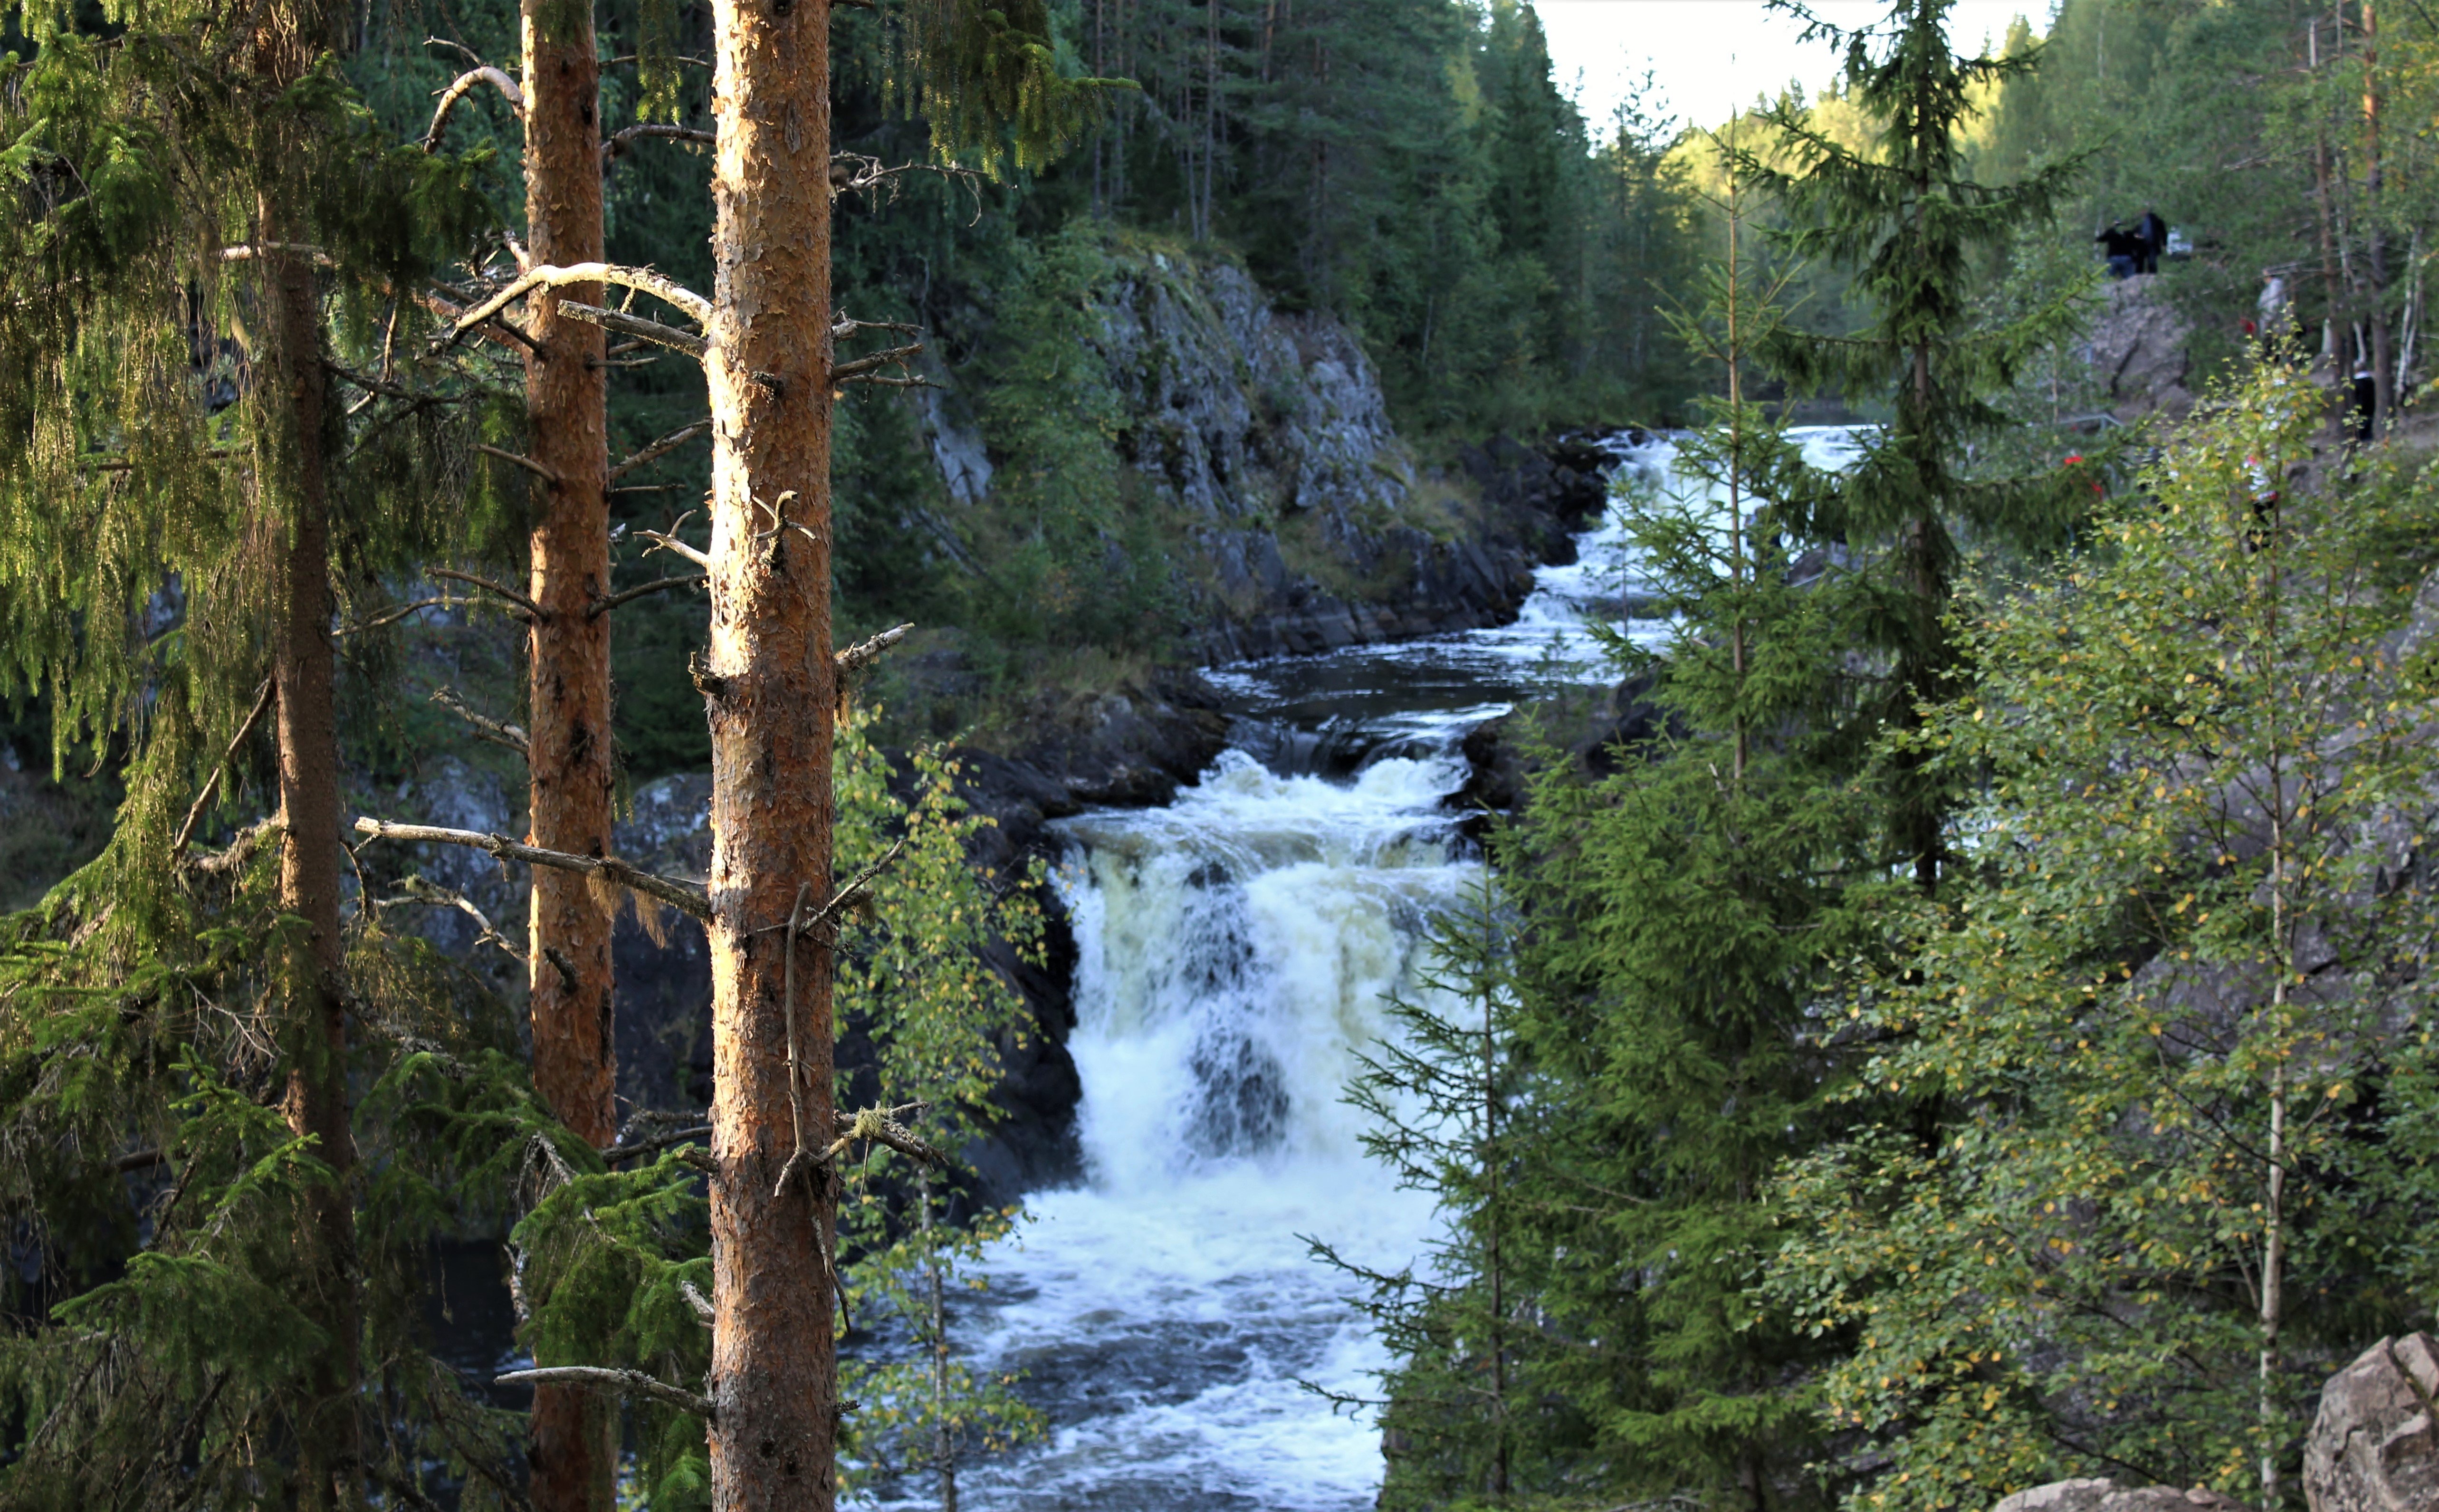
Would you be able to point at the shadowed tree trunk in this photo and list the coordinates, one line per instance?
(769, 683)
(570, 752)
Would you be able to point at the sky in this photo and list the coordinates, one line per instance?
(1713, 56)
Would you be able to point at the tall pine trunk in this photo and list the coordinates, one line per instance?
(295, 399)
(570, 765)
(770, 688)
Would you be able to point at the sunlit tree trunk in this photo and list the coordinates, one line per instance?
(768, 681)
(571, 772)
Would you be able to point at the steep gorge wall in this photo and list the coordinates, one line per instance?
(1265, 438)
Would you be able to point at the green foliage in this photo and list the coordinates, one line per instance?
(2171, 1005)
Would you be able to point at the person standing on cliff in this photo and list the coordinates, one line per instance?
(2153, 233)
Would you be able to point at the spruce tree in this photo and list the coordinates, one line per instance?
(1683, 917)
(1909, 226)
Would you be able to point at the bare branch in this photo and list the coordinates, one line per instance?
(464, 83)
(422, 890)
(878, 360)
(499, 330)
(877, 380)
(701, 1303)
(874, 1125)
(696, 307)
(668, 541)
(864, 653)
(616, 145)
(845, 325)
(532, 610)
(492, 730)
(126, 464)
(651, 330)
(248, 252)
(658, 449)
(602, 606)
(603, 1377)
(212, 783)
(546, 473)
(686, 897)
(654, 1146)
(393, 617)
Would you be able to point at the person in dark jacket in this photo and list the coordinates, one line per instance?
(2153, 233)
(2123, 248)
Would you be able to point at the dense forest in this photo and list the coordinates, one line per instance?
(1959, 1028)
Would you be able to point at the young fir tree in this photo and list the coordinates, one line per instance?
(2173, 1005)
(1908, 224)
(1683, 914)
(1458, 1414)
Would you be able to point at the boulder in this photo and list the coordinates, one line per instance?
(2374, 1446)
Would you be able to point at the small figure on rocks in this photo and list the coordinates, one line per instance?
(2154, 234)
(2123, 248)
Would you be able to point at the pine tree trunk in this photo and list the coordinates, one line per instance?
(315, 1100)
(573, 1450)
(769, 684)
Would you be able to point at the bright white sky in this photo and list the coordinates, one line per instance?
(1714, 55)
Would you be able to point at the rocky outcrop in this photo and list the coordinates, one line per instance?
(2139, 352)
(2374, 1443)
(2108, 1496)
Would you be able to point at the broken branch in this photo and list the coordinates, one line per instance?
(602, 606)
(696, 307)
(546, 473)
(864, 653)
(457, 90)
(668, 541)
(685, 897)
(603, 1377)
(492, 729)
(659, 449)
(878, 360)
(212, 783)
(615, 147)
(651, 330)
(532, 610)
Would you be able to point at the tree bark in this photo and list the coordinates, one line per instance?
(573, 1450)
(770, 686)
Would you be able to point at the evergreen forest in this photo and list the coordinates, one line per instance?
(563, 566)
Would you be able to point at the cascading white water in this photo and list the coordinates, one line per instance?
(1237, 951)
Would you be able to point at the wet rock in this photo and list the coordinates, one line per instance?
(2375, 1445)
(1594, 728)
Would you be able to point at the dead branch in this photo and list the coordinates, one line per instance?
(603, 1377)
(701, 1303)
(845, 325)
(659, 449)
(422, 890)
(864, 653)
(532, 610)
(499, 330)
(492, 730)
(845, 371)
(877, 380)
(668, 541)
(125, 464)
(393, 617)
(240, 850)
(699, 1158)
(616, 145)
(249, 252)
(212, 783)
(874, 1125)
(845, 897)
(651, 330)
(464, 84)
(546, 473)
(602, 606)
(686, 897)
(696, 307)
(654, 1146)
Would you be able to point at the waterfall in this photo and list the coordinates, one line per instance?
(1236, 952)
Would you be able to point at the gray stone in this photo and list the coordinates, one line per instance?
(2096, 1495)
(2375, 1445)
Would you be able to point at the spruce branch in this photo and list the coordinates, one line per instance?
(604, 1379)
(463, 85)
(262, 698)
(660, 448)
(533, 611)
(548, 277)
(615, 147)
(495, 731)
(686, 897)
(541, 471)
(603, 605)
(637, 325)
